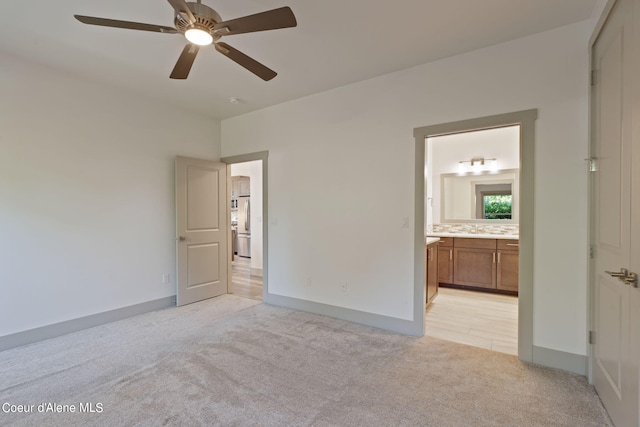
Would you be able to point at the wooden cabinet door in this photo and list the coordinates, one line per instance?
(474, 267)
(244, 187)
(445, 264)
(432, 271)
(234, 187)
(507, 279)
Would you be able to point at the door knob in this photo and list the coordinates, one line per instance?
(182, 238)
(620, 274)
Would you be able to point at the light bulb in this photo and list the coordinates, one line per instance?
(198, 36)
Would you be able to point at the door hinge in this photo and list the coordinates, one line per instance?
(594, 77)
(592, 251)
(592, 337)
(593, 164)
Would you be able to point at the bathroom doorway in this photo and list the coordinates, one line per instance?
(474, 162)
(472, 199)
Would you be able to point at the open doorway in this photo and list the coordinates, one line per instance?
(246, 235)
(247, 230)
(423, 256)
(472, 206)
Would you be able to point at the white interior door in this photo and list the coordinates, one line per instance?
(614, 366)
(201, 188)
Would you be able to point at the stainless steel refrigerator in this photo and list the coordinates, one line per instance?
(244, 226)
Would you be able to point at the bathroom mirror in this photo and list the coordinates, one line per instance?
(490, 196)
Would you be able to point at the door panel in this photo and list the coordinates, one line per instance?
(474, 267)
(614, 369)
(203, 264)
(445, 265)
(201, 190)
(202, 209)
(432, 271)
(610, 353)
(610, 161)
(508, 262)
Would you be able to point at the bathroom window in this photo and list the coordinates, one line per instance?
(497, 205)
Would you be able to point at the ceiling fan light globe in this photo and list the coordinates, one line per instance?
(198, 36)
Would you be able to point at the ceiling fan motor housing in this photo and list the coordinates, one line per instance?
(206, 19)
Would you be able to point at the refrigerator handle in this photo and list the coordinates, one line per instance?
(246, 215)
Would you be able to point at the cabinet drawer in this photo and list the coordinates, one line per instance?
(446, 241)
(461, 242)
(508, 244)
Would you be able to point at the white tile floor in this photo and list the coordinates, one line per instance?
(479, 319)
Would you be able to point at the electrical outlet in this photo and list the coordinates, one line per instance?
(343, 286)
(308, 281)
(165, 278)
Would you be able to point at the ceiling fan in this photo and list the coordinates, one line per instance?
(202, 26)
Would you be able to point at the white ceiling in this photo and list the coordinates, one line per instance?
(336, 42)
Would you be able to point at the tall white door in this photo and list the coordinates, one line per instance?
(614, 352)
(201, 188)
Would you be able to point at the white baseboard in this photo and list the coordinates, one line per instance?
(50, 331)
(405, 327)
(571, 362)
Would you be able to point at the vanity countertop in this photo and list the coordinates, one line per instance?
(430, 240)
(473, 236)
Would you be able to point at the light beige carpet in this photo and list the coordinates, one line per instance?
(230, 362)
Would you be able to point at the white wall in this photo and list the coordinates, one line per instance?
(341, 176)
(253, 170)
(446, 151)
(87, 219)
(598, 9)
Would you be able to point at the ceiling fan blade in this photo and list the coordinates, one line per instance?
(183, 66)
(269, 20)
(124, 24)
(249, 63)
(180, 6)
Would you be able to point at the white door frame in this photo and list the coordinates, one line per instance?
(250, 157)
(526, 119)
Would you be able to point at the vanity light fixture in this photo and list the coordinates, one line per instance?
(477, 164)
